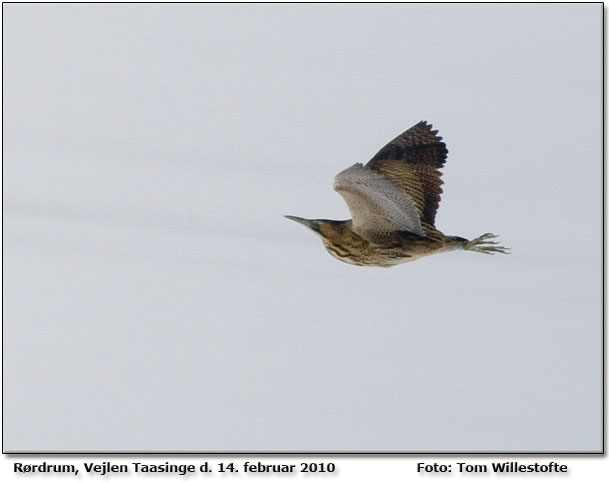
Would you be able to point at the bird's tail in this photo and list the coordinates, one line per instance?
(481, 244)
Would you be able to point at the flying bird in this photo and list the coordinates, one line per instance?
(393, 201)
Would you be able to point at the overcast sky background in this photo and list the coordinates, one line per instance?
(156, 299)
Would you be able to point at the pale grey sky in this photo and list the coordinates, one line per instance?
(156, 299)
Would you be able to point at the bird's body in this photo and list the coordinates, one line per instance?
(393, 201)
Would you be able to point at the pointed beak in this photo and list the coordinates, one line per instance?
(305, 222)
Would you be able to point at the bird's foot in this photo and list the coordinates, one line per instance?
(484, 244)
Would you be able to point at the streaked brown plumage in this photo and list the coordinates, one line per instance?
(393, 201)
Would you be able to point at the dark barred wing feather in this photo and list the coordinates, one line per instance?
(412, 160)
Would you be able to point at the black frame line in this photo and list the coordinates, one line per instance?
(12, 454)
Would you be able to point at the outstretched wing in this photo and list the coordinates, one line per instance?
(412, 160)
(379, 206)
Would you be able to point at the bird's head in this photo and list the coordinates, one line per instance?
(326, 229)
(337, 236)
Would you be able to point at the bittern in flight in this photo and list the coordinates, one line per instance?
(393, 201)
